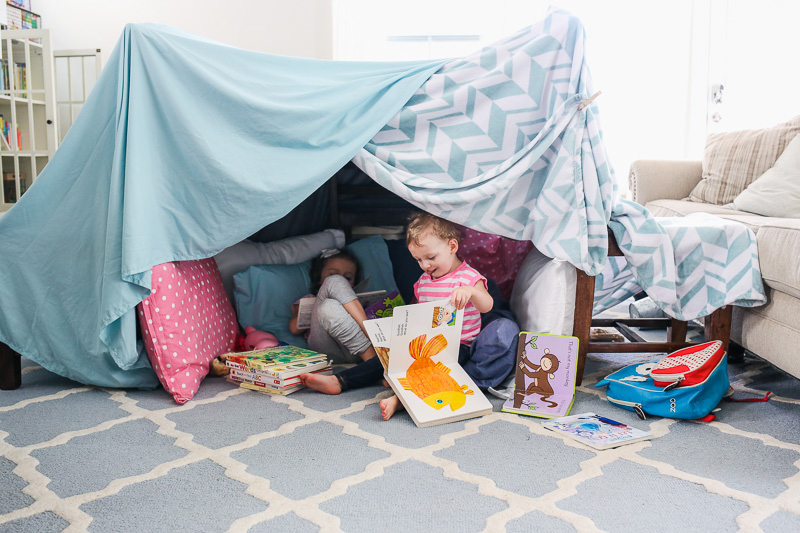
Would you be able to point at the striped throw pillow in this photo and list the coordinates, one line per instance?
(733, 160)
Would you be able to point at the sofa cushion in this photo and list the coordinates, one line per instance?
(733, 160)
(776, 193)
(778, 250)
(680, 208)
(677, 208)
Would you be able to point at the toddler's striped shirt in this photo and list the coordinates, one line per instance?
(427, 289)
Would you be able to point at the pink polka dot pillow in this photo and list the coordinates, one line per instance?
(187, 321)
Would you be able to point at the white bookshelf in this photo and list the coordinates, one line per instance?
(27, 104)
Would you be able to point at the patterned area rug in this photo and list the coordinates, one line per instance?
(76, 458)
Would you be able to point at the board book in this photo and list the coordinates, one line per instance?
(379, 331)
(253, 381)
(544, 383)
(283, 371)
(257, 375)
(266, 390)
(305, 306)
(384, 306)
(599, 432)
(269, 358)
(423, 368)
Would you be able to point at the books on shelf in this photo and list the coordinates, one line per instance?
(599, 432)
(20, 17)
(7, 132)
(544, 384)
(423, 342)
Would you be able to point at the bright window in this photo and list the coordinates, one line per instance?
(637, 54)
(655, 62)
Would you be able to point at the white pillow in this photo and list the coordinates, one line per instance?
(776, 193)
(245, 254)
(543, 297)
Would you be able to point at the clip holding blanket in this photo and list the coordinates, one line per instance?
(589, 100)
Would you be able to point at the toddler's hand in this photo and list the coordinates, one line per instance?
(461, 296)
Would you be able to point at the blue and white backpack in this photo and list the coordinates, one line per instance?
(632, 388)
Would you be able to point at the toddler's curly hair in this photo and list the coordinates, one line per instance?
(421, 223)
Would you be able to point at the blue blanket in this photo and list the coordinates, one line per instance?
(186, 147)
(183, 148)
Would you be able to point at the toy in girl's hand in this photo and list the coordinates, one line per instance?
(258, 340)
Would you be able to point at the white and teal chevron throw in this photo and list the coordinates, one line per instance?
(499, 141)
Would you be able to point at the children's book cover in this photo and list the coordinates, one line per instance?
(423, 365)
(596, 431)
(544, 384)
(384, 306)
(269, 357)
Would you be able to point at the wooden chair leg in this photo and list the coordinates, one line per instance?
(582, 318)
(677, 330)
(718, 326)
(10, 368)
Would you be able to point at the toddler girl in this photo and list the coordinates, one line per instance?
(337, 317)
(433, 242)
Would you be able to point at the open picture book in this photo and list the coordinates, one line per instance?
(419, 348)
(544, 383)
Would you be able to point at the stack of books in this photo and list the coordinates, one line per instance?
(275, 370)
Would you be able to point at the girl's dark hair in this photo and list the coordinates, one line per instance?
(318, 263)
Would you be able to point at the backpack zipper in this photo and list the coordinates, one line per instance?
(637, 407)
(668, 377)
(674, 384)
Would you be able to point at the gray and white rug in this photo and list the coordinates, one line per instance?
(76, 458)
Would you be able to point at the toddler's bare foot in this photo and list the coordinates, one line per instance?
(322, 383)
(390, 406)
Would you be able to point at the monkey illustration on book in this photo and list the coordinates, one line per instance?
(541, 374)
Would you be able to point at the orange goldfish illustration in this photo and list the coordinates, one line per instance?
(432, 382)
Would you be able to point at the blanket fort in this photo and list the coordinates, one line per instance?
(170, 162)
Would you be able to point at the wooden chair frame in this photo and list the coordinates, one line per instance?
(717, 325)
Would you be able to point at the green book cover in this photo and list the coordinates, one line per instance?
(269, 357)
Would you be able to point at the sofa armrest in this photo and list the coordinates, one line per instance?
(656, 180)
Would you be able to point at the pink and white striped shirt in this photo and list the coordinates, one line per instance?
(427, 289)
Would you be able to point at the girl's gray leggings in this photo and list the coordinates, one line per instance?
(333, 331)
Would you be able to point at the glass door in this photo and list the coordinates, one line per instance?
(27, 122)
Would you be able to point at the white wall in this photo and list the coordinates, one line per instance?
(288, 27)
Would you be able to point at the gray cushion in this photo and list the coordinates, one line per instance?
(778, 253)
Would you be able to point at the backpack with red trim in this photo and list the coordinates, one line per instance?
(688, 366)
(688, 384)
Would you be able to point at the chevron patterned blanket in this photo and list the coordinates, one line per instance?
(508, 141)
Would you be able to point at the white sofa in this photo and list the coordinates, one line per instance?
(771, 331)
